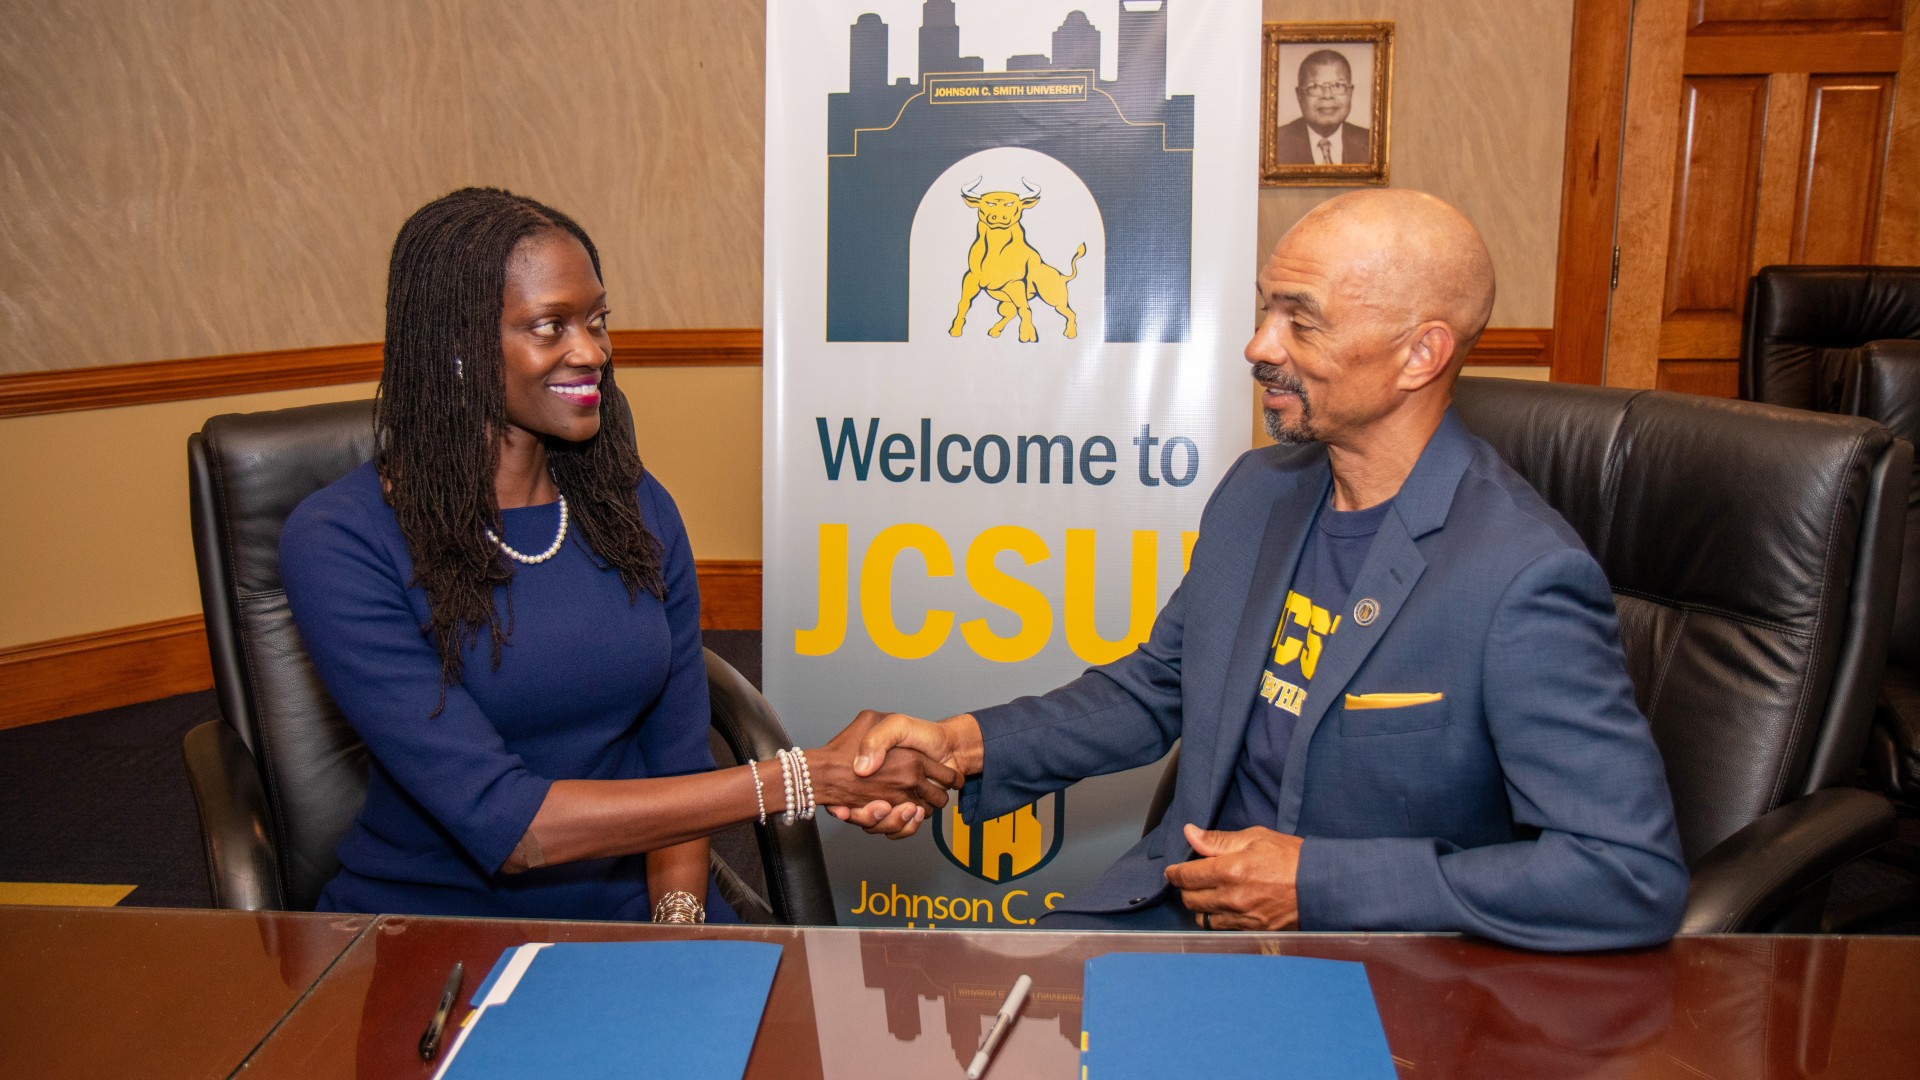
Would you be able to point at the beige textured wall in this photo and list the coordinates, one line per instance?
(212, 176)
(199, 177)
(1479, 119)
(216, 176)
(102, 501)
(105, 503)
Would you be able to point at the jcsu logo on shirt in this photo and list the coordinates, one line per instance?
(1298, 639)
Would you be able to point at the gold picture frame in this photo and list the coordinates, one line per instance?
(1294, 151)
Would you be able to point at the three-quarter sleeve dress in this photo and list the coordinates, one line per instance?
(592, 685)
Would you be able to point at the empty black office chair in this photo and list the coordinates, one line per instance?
(1846, 339)
(1752, 552)
(1801, 319)
(280, 777)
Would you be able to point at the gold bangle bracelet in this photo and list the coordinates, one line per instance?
(679, 906)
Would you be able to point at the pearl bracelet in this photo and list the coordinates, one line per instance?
(759, 797)
(806, 783)
(786, 784)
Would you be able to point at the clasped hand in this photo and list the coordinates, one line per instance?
(1240, 880)
(901, 778)
(879, 737)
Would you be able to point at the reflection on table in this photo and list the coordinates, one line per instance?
(85, 992)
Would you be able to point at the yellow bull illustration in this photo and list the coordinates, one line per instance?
(1006, 266)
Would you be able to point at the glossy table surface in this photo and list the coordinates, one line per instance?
(152, 993)
(126, 992)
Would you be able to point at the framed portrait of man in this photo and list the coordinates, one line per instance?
(1326, 101)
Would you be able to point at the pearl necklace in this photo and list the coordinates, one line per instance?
(552, 550)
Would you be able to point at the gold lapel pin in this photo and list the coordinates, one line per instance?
(1366, 611)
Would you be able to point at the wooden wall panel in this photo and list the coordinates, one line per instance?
(1645, 208)
(1590, 183)
(1722, 121)
(1748, 16)
(1791, 145)
(1840, 188)
(1780, 170)
(1897, 240)
(90, 672)
(1711, 378)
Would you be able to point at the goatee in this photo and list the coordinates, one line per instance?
(1301, 431)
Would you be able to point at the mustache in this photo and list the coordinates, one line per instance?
(1278, 377)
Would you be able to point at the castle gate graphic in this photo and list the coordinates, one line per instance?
(1129, 142)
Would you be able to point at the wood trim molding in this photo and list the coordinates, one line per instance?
(35, 393)
(1513, 346)
(724, 347)
(1842, 53)
(103, 670)
(1590, 178)
(85, 673)
(729, 594)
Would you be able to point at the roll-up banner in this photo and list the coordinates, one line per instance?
(1009, 255)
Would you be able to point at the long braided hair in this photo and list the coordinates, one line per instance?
(441, 412)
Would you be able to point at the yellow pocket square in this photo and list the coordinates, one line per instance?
(1390, 701)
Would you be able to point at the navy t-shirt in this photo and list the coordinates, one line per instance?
(1336, 548)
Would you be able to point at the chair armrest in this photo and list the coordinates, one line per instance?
(235, 822)
(1750, 876)
(749, 905)
(790, 855)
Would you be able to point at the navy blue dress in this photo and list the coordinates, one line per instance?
(590, 686)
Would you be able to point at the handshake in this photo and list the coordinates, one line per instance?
(887, 771)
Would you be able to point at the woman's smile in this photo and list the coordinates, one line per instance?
(584, 393)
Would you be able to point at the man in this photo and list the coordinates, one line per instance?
(1322, 136)
(1395, 671)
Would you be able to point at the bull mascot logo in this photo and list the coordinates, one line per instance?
(1008, 268)
(1005, 848)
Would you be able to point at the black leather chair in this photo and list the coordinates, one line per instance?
(1841, 339)
(1752, 552)
(1881, 381)
(1801, 319)
(280, 777)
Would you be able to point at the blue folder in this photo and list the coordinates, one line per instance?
(1222, 1016)
(595, 1009)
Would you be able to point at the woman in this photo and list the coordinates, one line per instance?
(503, 605)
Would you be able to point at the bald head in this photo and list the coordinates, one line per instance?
(1407, 257)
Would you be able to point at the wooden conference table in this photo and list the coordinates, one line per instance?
(167, 993)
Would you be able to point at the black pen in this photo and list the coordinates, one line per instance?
(430, 1040)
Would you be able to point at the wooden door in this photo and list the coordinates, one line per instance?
(1752, 132)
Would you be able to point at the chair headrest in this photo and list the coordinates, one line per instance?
(1884, 384)
(1800, 317)
(1732, 505)
(266, 462)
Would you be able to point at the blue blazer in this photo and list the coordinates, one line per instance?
(1528, 804)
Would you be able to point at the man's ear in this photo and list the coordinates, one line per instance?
(1429, 356)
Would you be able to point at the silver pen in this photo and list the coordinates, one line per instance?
(1001, 1022)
